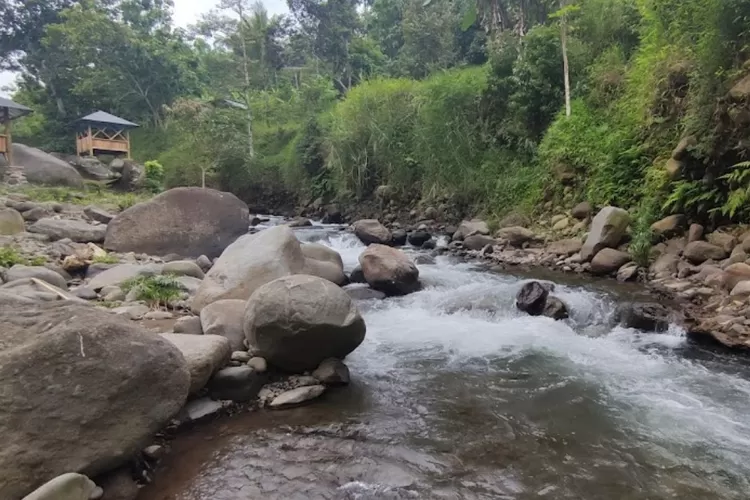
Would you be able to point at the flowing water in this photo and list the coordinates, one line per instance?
(456, 395)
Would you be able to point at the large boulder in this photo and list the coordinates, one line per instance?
(256, 259)
(609, 260)
(298, 321)
(11, 222)
(699, 252)
(76, 230)
(184, 221)
(469, 228)
(607, 230)
(19, 272)
(224, 318)
(516, 236)
(371, 231)
(652, 317)
(478, 242)
(130, 175)
(389, 270)
(83, 390)
(43, 168)
(204, 355)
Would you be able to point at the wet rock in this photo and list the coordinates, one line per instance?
(371, 231)
(114, 386)
(565, 247)
(258, 364)
(70, 486)
(332, 372)
(98, 214)
(154, 452)
(469, 228)
(324, 262)
(532, 298)
(478, 242)
(19, 272)
(698, 252)
(298, 321)
(183, 268)
(357, 276)
(650, 317)
(487, 250)
(399, 238)
(628, 272)
(429, 245)
(609, 260)
(555, 308)
(235, 383)
(200, 410)
(190, 325)
(582, 211)
(11, 222)
(297, 396)
(75, 230)
(515, 236)
(364, 293)
(424, 260)
(300, 222)
(695, 233)
(607, 231)
(204, 263)
(187, 221)
(389, 270)
(722, 240)
(204, 355)
(668, 227)
(225, 318)
(333, 215)
(418, 238)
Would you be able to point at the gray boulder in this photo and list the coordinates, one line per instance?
(98, 214)
(184, 221)
(19, 272)
(75, 230)
(389, 270)
(699, 252)
(516, 236)
(204, 355)
(83, 390)
(565, 247)
(183, 268)
(609, 260)
(478, 242)
(325, 262)
(70, 486)
(236, 383)
(371, 231)
(469, 228)
(189, 325)
(43, 168)
(582, 211)
(297, 322)
(224, 318)
(130, 175)
(607, 230)
(11, 222)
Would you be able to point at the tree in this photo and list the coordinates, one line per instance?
(563, 14)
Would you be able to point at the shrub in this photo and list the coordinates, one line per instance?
(154, 176)
(156, 291)
(9, 257)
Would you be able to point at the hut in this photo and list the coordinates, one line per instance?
(9, 111)
(101, 132)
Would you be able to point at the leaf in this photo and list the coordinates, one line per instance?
(470, 17)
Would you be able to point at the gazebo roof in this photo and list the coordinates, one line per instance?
(103, 119)
(15, 110)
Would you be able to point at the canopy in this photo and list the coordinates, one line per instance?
(15, 110)
(102, 119)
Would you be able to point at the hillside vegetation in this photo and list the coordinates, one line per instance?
(454, 104)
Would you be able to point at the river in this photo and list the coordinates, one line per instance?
(456, 395)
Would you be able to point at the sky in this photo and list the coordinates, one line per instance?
(186, 12)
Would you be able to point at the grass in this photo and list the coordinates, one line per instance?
(93, 194)
(155, 291)
(9, 257)
(105, 259)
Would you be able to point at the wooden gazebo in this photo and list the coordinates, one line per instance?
(9, 111)
(101, 132)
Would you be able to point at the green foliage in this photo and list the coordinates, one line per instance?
(154, 176)
(642, 237)
(9, 257)
(156, 291)
(105, 259)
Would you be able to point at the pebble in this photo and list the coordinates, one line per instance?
(154, 452)
(297, 396)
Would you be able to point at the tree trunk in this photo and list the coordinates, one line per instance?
(250, 147)
(566, 71)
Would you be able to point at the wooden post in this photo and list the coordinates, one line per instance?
(8, 138)
(127, 136)
(90, 143)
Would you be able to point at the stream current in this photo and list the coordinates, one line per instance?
(457, 395)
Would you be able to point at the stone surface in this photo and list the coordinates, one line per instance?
(364, 293)
(628, 272)
(734, 274)
(607, 231)
(183, 268)
(516, 235)
(188, 324)
(186, 221)
(371, 231)
(42, 168)
(668, 227)
(609, 260)
(258, 364)
(324, 262)
(241, 356)
(389, 270)
(722, 240)
(225, 318)
(82, 391)
(565, 247)
(332, 372)
(478, 242)
(19, 272)
(399, 238)
(118, 274)
(236, 383)
(98, 214)
(297, 396)
(665, 266)
(742, 289)
(76, 230)
(695, 233)
(469, 228)
(132, 312)
(532, 298)
(298, 321)
(11, 222)
(651, 317)
(70, 486)
(417, 238)
(204, 355)
(698, 252)
(204, 263)
(582, 211)
(555, 308)
(199, 410)
(119, 484)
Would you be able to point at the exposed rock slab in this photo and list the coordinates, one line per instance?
(76, 230)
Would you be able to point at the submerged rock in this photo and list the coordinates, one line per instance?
(532, 298)
(555, 308)
(650, 317)
(332, 372)
(297, 396)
